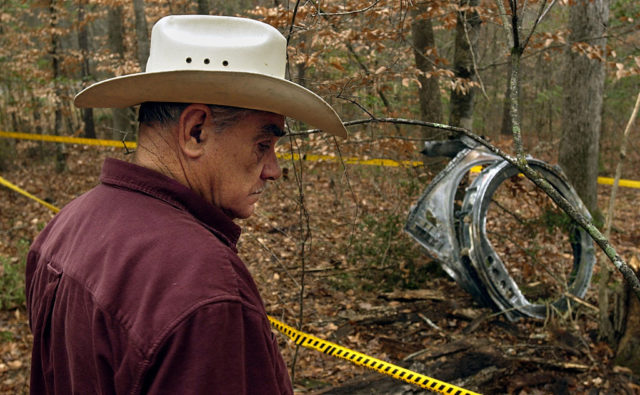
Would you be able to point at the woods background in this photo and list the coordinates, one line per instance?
(439, 61)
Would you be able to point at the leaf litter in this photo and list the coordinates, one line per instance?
(366, 285)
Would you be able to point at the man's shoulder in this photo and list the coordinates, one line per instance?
(144, 261)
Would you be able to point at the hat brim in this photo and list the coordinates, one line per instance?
(237, 89)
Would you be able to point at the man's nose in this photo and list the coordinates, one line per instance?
(271, 169)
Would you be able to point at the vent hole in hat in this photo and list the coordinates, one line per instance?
(188, 60)
(206, 61)
(225, 63)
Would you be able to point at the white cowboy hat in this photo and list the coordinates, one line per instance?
(216, 60)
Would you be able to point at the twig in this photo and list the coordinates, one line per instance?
(304, 236)
(555, 364)
(278, 260)
(354, 102)
(534, 261)
(320, 13)
(541, 14)
(580, 301)
(293, 20)
(419, 52)
(388, 241)
(603, 286)
(463, 16)
(515, 24)
(514, 215)
(627, 273)
(364, 68)
(533, 53)
(505, 21)
(301, 195)
(429, 322)
(544, 14)
(623, 154)
(353, 194)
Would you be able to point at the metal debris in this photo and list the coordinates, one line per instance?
(457, 237)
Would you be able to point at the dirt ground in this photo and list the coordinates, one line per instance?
(364, 284)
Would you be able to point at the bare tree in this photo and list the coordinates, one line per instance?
(514, 32)
(56, 76)
(507, 125)
(423, 41)
(83, 44)
(120, 116)
(622, 328)
(142, 32)
(468, 23)
(583, 90)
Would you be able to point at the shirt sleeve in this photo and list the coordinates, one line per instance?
(221, 348)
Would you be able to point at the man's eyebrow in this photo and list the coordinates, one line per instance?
(273, 129)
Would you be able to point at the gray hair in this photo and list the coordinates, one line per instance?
(162, 113)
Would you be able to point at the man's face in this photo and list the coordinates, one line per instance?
(240, 160)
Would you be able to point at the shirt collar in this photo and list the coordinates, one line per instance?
(141, 179)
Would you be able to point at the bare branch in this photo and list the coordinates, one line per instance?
(627, 273)
(293, 21)
(302, 210)
(473, 55)
(275, 258)
(541, 14)
(623, 154)
(305, 236)
(515, 94)
(544, 14)
(354, 102)
(515, 24)
(606, 327)
(505, 21)
(355, 55)
(320, 13)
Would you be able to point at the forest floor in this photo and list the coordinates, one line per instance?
(367, 286)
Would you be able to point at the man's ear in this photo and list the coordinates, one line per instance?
(190, 129)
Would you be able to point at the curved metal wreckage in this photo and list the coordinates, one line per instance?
(457, 236)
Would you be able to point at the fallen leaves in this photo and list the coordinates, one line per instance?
(339, 305)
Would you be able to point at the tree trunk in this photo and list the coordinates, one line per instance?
(203, 7)
(506, 128)
(583, 91)
(304, 46)
(61, 163)
(83, 44)
(142, 33)
(120, 116)
(429, 91)
(468, 23)
(628, 350)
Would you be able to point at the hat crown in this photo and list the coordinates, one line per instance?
(215, 60)
(216, 43)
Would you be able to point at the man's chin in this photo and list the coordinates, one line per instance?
(242, 214)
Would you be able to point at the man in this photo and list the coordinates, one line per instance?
(136, 286)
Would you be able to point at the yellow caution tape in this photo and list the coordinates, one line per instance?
(601, 180)
(622, 183)
(27, 194)
(69, 140)
(313, 342)
(351, 161)
(307, 157)
(360, 359)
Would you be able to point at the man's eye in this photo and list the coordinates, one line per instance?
(264, 146)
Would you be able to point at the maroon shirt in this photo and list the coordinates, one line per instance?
(136, 287)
